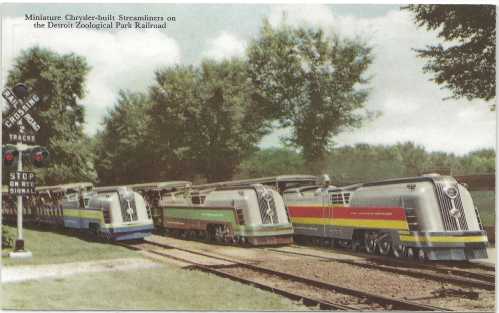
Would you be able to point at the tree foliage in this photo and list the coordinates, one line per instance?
(271, 162)
(59, 81)
(365, 162)
(311, 82)
(120, 147)
(204, 119)
(466, 64)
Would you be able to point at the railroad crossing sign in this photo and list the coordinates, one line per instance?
(19, 112)
(22, 183)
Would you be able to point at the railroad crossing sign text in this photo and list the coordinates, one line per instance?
(21, 111)
(22, 183)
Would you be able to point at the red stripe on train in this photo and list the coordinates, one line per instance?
(306, 211)
(349, 212)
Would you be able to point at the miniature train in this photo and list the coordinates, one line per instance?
(251, 214)
(114, 213)
(429, 217)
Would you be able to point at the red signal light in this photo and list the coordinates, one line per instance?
(9, 156)
(38, 156)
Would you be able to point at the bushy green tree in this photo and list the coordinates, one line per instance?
(59, 81)
(467, 63)
(313, 82)
(364, 162)
(271, 162)
(482, 161)
(121, 152)
(204, 119)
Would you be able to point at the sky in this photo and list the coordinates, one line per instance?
(412, 107)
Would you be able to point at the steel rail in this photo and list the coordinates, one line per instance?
(393, 303)
(466, 264)
(309, 301)
(486, 282)
(215, 269)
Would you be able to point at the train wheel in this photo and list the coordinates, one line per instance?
(370, 242)
(94, 229)
(385, 246)
(421, 255)
(343, 243)
(398, 250)
(410, 253)
(220, 233)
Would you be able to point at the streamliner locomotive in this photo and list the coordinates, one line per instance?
(430, 217)
(251, 214)
(114, 213)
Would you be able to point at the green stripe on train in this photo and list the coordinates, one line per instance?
(201, 214)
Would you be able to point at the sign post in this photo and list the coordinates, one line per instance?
(21, 183)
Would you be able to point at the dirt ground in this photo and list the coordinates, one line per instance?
(376, 281)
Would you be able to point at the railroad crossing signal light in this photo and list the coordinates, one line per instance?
(21, 90)
(39, 156)
(10, 155)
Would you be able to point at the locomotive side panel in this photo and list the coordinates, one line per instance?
(307, 212)
(418, 197)
(255, 214)
(429, 216)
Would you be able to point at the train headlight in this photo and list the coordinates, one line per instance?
(451, 192)
(267, 195)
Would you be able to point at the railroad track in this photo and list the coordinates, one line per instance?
(413, 269)
(444, 265)
(311, 292)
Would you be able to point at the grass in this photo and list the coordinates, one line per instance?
(49, 247)
(486, 203)
(164, 288)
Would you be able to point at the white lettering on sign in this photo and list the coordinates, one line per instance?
(22, 183)
(9, 96)
(22, 138)
(21, 111)
(31, 121)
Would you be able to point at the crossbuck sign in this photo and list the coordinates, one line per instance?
(20, 112)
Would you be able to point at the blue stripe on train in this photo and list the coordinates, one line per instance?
(133, 228)
(76, 222)
(118, 233)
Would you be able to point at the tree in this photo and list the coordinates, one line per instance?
(204, 119)
(413, 157)
(481, 161)
(271, 162)
(59, 82)
(467, 64)
(310, 82)
(174, 105)
(121, 153)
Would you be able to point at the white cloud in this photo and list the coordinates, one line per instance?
(225, 46)
(411, 105)
(119, 60)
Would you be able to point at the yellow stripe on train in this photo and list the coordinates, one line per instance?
(83, 213)
(346, 222)
(458, 239)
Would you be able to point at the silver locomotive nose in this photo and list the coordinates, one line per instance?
(455, 213)
(450, 192)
